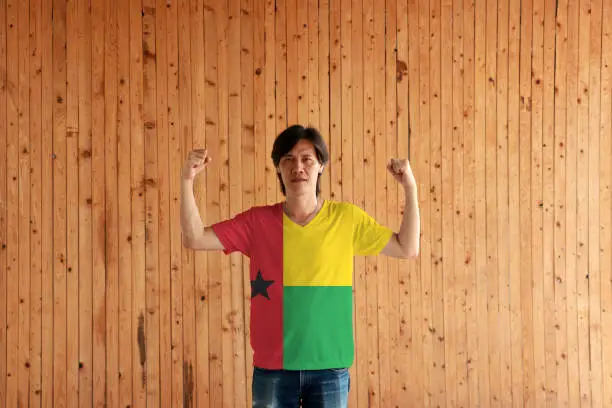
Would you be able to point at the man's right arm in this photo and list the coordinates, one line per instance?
(195, 234)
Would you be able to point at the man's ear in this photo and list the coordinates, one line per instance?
(321, 171)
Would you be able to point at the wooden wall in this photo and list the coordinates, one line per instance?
(509, 110)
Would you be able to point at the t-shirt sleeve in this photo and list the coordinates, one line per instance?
(235, 233)
(369, 237)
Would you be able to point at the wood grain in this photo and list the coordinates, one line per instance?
(502, 108)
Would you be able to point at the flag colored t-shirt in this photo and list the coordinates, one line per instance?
(301, 281)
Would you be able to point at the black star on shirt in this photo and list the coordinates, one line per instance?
(259, 286)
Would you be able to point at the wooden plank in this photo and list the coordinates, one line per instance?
(35, 123)
(72, 201)
(472, 352)
(444, 289)
(280, 72)
(432, 291)
(514, 271)
(85, 317)
(180, 372)
(537, 205)
(163, 176)
(493, 210)
(458, 212)
(480, 213)
(302, 74)
(548, 166)
(582, 204)
(593, 279)
(572, 64)
(526, 395)
(358, 372)
(291, 24)
(228, 316)
(226, 284)
(248, 159)
(111, 209)
(514, 32)
(149, 187)
(393, 220)
(381, 159)
(324, 82)
(98, 16)
(358, 394)
(313, 64)
(12, 205)
(259, 93)
(380, 188)
(47, 385)
(192, 94)
(504, 90)
(346, 95)
(238, 322)
(335, 86)
(281, 52)
(3, 207)
(371, 380)
(605, 201)
(124, 204)
(270, 90)
(137, 145)
(405, 107)
(24, 195)
(59, 203)
(560, 391)
(419, 285)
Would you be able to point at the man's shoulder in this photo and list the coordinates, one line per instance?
(265, 210)
(341, 206)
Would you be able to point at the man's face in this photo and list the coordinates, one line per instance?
(300, 168)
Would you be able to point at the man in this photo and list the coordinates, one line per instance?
(301, 267)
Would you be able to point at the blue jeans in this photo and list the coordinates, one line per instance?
(307, 389)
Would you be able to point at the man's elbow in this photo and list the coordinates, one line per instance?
(190, 243)
(402, 250)
(410, 252)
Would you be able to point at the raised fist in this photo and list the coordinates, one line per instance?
(401, 171)
(197, 160)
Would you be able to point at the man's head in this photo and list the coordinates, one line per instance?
(299, 155)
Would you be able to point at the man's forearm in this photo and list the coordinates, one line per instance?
(410, 229)
(191, 221)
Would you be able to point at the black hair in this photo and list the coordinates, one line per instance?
(289, 137)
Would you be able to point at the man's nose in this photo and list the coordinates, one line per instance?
(297, 167)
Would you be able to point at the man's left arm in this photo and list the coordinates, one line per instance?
(405, 243)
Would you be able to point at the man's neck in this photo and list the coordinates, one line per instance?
(301, 208)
